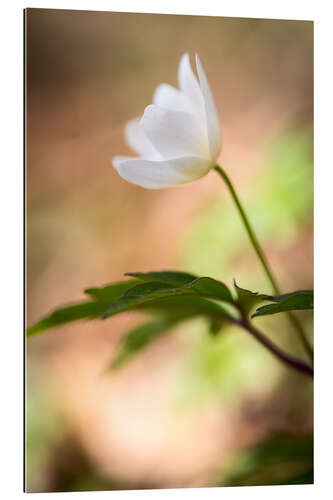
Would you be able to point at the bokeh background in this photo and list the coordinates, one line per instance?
(191, 410)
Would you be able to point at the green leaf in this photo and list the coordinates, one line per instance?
(83, 310)
(248, 299)
(205, 286)
(138, 338)
(137, 295)
(67, 314)
(110, 292)
(299, 300)
(153, 291)
(302, 295)
(185, 306)
(173, 305)
(150, 291)
(173, 278)
(210, 288)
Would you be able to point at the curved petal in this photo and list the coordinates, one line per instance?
(161, 174)
(169, 97)
(138, 141)
(117, 160)
(190, 86)
(213, 127)
(174, 133)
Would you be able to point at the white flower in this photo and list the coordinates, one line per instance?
(178, 137)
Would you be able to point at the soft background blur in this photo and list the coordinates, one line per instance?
(190, 407)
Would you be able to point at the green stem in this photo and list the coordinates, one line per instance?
(260, 255)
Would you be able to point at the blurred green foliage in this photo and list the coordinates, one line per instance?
(279, 204)
(274, 461)
(227, 366)
(44, 430)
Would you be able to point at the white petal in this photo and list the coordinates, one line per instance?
(213, 127)
(117, 160)
(138, 141)
(190, 86)
(169, 97)
(174, 133)
(161, 174)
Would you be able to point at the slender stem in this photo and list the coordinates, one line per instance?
(287, 359)
(248, 228)
(261, 256)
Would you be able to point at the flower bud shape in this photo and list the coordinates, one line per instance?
(178, 137)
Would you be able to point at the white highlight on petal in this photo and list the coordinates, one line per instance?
(174, 133)
(190, 86)
(138, 141)
(161, 174)
(213, 127)
(171, 98)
